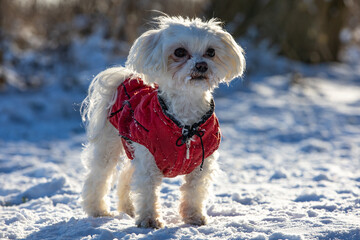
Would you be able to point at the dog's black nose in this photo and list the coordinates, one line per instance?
(201, 67)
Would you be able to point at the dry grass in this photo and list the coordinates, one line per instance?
(37, 24)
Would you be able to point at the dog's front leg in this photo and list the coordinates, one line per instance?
(146, 182)
(195, 191)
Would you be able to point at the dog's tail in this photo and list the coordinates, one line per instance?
(101, 96)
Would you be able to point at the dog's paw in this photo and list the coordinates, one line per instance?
(197, 220)
(149, 222)
(131, 213)
(192, 216)
(101, 214)
(128, 209)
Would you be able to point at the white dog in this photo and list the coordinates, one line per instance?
(158, 110)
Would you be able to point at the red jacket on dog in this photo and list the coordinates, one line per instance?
(141, 116)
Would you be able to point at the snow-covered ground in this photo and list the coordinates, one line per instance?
(290, 159)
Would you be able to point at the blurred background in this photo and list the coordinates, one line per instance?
(52, 48)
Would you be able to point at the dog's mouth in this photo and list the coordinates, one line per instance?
(198, 77)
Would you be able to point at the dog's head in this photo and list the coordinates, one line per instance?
(182, 54)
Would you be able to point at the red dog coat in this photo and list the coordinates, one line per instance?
(140, 115)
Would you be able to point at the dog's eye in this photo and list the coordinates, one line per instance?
(210, 52)
(180, 52)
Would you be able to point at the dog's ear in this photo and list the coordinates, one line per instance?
(233, 57)
(146, 54)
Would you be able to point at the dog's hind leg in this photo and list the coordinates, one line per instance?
(101, 156)
(195, 191)
(125, 202)
(146, 182)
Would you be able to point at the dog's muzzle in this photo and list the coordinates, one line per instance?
(199, 71)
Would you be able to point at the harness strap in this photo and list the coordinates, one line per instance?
(187, 133)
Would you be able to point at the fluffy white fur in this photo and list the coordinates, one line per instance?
(187, 93)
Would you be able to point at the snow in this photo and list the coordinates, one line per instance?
(289, 158)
